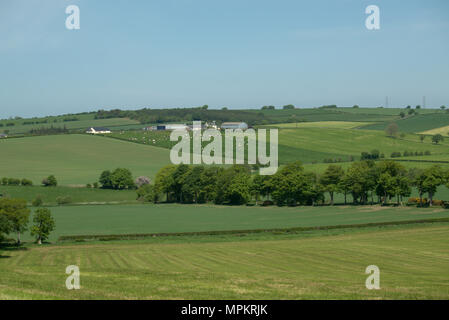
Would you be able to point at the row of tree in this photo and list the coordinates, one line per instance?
(15, 216)
(292, 185)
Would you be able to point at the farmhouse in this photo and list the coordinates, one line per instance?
(3, 136)
(97, 130)
(234, 125)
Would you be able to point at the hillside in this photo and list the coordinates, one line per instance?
(76, 159)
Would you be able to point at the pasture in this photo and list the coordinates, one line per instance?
(169, 218)
(76, 159)
(412, 262)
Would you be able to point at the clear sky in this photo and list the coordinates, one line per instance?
(234, 53)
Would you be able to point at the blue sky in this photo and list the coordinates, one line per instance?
(234, 53)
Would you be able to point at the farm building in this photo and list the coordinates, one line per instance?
(234, 125)
(3, 136)
(97, 130)
(167, 127)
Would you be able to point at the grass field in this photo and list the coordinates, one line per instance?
(419, 123)
(412, 261)
(169, 218)
(76, 159)
(77, 195)
(85, 121)
(321, 124)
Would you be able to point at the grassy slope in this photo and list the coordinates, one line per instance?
(76, 159)
(418, 123)
(85, 121)
(441, 130)
(412, 261)
(127, 219)
(309, 144)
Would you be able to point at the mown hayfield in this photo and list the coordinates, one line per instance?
(76, 159)
(419, 123)
(444, 131)
(50, 195)
(169, 218)
(412, 260)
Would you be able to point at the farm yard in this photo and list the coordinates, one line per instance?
(306, 250)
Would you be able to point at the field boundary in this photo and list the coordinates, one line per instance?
(109, 237)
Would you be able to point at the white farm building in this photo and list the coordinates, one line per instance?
(234, 125)
(98, 130)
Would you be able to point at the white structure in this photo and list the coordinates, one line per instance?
(98, 130)
(234, 125)
(3, 136)
(176, 127)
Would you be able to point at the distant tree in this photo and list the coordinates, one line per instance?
(105, 179)
(331, 180)
(443, 107)
(422, 137)
(408, 107)
(122, 178)
(50, 181)
(224, 108)
(437, 138)
(148, 193)
(26, 182)
(164, 181)
(355, 106)
(418, 107)
(434, 177)
(288, 107)
(402, 114)
(17, 213)
(44, 224)
(392, 130)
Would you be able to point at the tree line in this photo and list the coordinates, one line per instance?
(366, 181)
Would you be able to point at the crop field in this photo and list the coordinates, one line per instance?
(50, 195)
(169, 218)
(412, 262)
(84, 121)
(419, 123)
(320, 124)
(76, 159)
(316, 144)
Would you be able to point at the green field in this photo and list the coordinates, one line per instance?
(412, 261)
(85, 121)
(50, 195)
(419, 123)
(169, 218)
(76, 159)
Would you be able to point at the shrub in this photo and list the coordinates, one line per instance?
(63, 200)
(5, 181)
(95, 185)
(88, 185)
(395, 155)
(37, 202)
(13, 182)
(438, 202)
(147, 193)
(267, 203)
(26, 182)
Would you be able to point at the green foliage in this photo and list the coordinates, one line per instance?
(44, 224)
(37, 202)
(50, 181)
(64, 200)
(26, 182)
(16, 211)
(437, 138)
(118, 179)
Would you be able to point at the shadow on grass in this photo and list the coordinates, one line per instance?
(7, 246)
